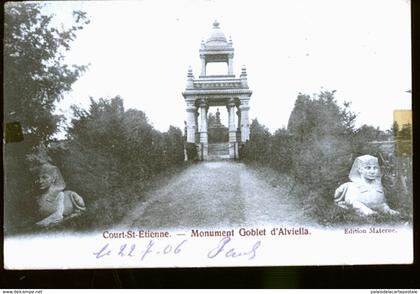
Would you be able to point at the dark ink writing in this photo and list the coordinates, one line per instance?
(222, 248)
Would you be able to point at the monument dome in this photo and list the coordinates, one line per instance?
(216, 38)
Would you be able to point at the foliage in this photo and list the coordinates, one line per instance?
(322, 131)
(325, 146)
(367, 139)
(405, 133)
(258, 146)
(318, 148)
(173, 150)
(35, 78)
(111, 154)
(35, 75)
(281, 150)
(191, 149)
(272, 150)
(320, 115)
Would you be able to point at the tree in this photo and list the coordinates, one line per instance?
(258, 146)
(322, 132)
(318, 148)
(35, 75)
(320, 115)
(173, 146)
(371, 133)
(406, 132)
(395, 129)
(367, 140)
(111, 154)
(281, 150)
(35, 78)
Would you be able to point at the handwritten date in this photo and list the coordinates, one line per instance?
(126, 250)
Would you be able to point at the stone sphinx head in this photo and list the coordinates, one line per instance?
(365, 169)
(50, 178)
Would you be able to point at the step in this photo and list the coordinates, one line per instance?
(219, 153)
(218, 147)
(218, 157)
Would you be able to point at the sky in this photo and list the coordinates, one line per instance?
(141, 51)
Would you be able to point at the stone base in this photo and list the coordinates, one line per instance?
(218, 151)
(233, 150)
(215, 151)
(203, 151)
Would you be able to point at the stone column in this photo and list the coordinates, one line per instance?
(203, 65)
(238, 130)
(197, 132)
(232, 130)
(230, 64)
(244, 108)
(191, 126)
(203, 130)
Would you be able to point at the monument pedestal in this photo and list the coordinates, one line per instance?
(204, 151)
(233, 150)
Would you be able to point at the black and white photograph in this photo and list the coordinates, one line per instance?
(207, 133)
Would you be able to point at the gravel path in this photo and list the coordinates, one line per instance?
(216, 194)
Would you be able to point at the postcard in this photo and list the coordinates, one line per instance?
(207, 133)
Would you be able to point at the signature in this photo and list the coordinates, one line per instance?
(228, 251)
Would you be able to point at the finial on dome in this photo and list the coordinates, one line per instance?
(230, 40)
(243, 69)
(216, 24)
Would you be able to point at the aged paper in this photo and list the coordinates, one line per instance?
(207, 134)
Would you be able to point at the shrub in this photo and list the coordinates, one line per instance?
(191, 151)
(111, 155)
(318, 149)
(281, 151)
(258, 147)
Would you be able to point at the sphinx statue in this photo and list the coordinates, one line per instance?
(55, 204)
(364, 192)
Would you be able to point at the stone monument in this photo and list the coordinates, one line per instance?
(56, 205)
(217, 132)
(217, 90)
(364, 192)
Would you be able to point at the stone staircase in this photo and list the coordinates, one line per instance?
(218, 151)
